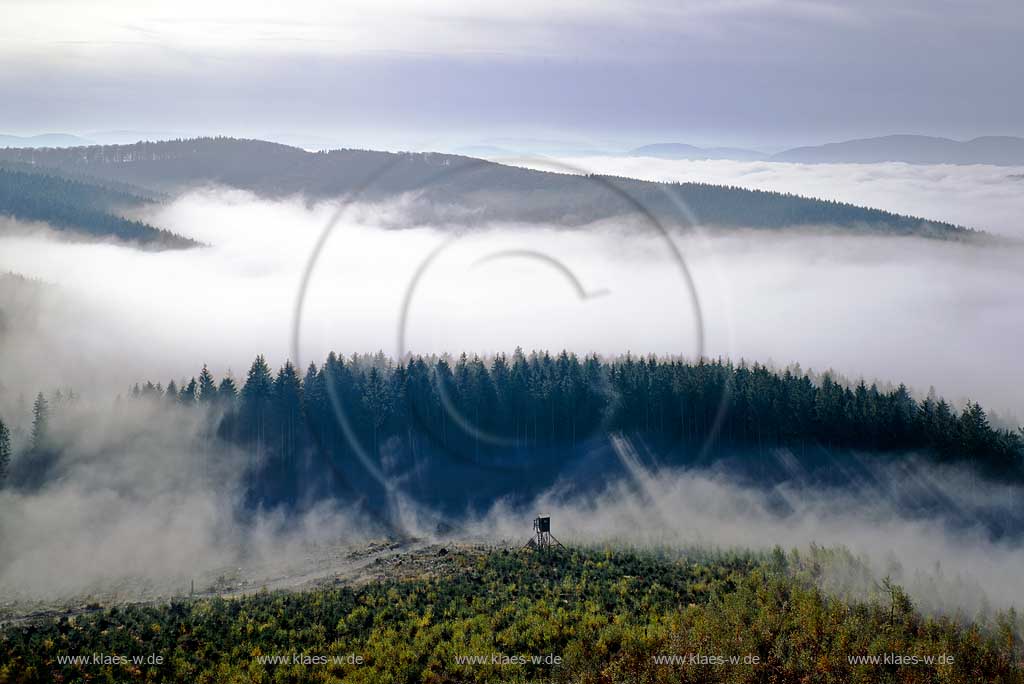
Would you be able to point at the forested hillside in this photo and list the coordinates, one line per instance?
(83, 208)
(586, 616)
(543, 400)
(533, 418)
(451, 188)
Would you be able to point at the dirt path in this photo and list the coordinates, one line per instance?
(343, 564)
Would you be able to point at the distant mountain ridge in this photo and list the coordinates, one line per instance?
(452, 189)
(913, 149)
(43, 140)
(909, 149)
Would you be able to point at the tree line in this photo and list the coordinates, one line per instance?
(471, 408)
(529, 400)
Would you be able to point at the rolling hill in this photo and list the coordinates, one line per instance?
(79, 207)
(455, 189)
(909, 149)
(912, 149)
(43, 140)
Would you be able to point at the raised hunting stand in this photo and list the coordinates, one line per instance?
(543, 538)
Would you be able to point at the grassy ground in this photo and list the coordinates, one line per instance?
(467, 614)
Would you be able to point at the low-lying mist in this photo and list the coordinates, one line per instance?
(142, 502)
(946, 566)
(141, 498)
(977, 196)
(913, 310)
(139, 502)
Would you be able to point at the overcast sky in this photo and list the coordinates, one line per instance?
(602, 75)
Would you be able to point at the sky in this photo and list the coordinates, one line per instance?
(571, 75)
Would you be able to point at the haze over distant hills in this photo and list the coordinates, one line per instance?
(910, 149)
(913, 149)
(452, 189)
(684, 151)
(43, 140)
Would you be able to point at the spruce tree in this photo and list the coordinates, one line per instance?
(207, 386)
(377, 402)
(40, 423)
(227, 392)
(256, 393)
(288, 410)
(187, 395)
(5, 451)
(171, 394)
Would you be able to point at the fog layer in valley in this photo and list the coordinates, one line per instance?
(139, 505)
(141, 502)
(923, 312)
(944, 569)
(984, 197)
(143, 497)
